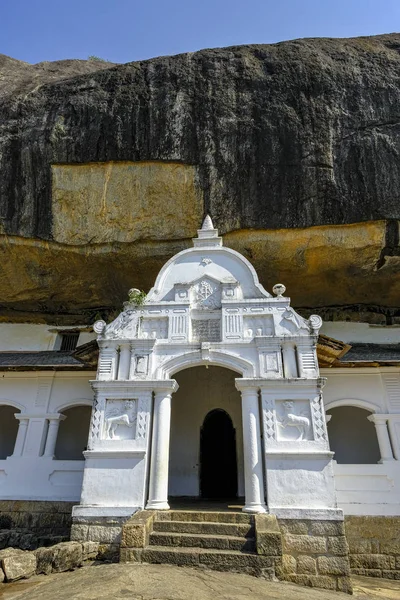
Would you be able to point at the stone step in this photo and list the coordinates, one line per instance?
(210, 516)
(218, 560)
(221, 542)
(234, 529)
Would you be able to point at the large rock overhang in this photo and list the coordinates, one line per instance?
(293, 149)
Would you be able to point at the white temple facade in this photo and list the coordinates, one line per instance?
(206, 308)
(209, 388)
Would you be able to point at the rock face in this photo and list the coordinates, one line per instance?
(293, 148)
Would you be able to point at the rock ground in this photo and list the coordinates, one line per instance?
(163, 582)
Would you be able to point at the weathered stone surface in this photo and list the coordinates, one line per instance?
(104, 534)
(108, 552)
(391, 574)
(268, 138)
(338, 545)
(331, 528)
(306, 565)
(333, 565)
(372, 561)
(268, 535)
(79, 533)
(44, 558)
(89, 550)
(344, 584)
(390, 546)
(304, 543)
(319, 581)
(166, 556)
(66, 556)
(153, 582)
(135, 532)
(294, 526)
(367, 572)
(373, 528)
(203, 527)
(289, 564)
(17, 564)
(363, 546)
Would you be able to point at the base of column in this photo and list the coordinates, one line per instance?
(157, 505)
(254, 508)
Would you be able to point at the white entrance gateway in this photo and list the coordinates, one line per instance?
(207, 307)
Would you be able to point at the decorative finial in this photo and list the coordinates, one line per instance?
(279, 289)
(207, 224)
(99, 327)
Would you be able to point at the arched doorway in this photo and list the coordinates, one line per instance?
(218, 462)
(201, 391)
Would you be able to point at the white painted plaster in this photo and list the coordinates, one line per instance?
(361, 332)
(28, 474)
(27, 337)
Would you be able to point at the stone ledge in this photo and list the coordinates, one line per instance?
(19, 564)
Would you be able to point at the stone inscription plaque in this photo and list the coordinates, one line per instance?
(206, 330)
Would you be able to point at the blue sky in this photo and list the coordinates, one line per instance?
(126, 30)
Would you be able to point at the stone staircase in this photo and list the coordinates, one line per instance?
(223, 541)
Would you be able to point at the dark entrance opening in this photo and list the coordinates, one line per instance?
(218, 465)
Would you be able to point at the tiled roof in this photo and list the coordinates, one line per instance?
(35, 360)
(372, 353)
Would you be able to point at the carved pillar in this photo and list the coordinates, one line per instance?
(253, 459)
(51, 440)
(385, 447)
(158, 484)
(21, 435)
(289, 360)
(124, 361)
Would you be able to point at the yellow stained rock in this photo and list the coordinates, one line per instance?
(125, 201)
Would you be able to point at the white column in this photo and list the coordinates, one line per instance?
(51, 440)
(21, 435)
(253, 460)
(382, 434)
(124, 361)
(158, 484)
(289, 360)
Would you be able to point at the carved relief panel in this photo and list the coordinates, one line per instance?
(293, 423)
(271, 364)
(152, 327)
(206, 330)
(258, 325)
(293, 420)
(139, 366)
(206, 294)
(120, 420)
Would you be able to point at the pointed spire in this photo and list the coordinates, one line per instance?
(207, 224)
(207, 235)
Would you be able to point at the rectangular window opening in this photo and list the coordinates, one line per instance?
(69, 341)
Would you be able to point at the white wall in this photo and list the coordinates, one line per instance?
(32, 338)
(200, 391)
(367, 489)
(40, 395)
(23, 336)
(361, 332)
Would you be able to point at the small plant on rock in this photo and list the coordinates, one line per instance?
(136, 296)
